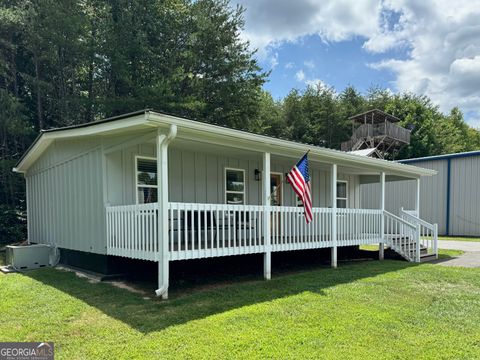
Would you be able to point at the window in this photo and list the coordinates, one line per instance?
(342, 194)
(146, 180)
(235, 186)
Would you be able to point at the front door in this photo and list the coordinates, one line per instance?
(276, 189)
(276, 192)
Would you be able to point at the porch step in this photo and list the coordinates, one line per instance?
(423, 250)
(427, 258)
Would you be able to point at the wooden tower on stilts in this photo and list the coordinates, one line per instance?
(376, 134)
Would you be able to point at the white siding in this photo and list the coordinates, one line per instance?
(399, 194)
(66, 190)
(199, 177)
(65, 199)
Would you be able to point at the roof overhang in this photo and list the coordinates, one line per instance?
(196, 130)
(110, 126)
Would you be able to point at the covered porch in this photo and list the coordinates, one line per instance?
(208, 195)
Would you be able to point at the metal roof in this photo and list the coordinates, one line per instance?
(220, 134)
(363, 152)
(441, 157)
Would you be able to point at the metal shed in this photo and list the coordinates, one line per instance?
(451, 198)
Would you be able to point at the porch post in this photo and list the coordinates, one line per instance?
(267, 256)
(162, 142)
(381, 246)
(333, 192)
(417, 198)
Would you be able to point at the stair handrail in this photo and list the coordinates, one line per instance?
(398, 218)
(420, 222)
(416, 219)
(407, 231)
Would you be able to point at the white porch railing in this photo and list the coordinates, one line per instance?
(211, 230)
(289, 230)
(132, 231)
(428, 233)
(358, 226)
(402, 237)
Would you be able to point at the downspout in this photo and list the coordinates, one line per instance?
(162, 163)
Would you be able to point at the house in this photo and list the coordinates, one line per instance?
(156, 187)
(450, 199)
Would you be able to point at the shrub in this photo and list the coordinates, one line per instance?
(13, 225)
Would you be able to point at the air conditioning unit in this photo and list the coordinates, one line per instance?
(28, 257)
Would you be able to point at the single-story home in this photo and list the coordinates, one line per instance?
(451, 199)
(157, 187)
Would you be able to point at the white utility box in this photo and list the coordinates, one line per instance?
(28, 257)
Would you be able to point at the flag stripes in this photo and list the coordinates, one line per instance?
(299, 178)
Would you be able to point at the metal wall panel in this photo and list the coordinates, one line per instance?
(465, 196)
(464, 218)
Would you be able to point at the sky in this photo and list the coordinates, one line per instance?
(425, 47)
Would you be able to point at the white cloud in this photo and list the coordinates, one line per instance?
(300, 75)
(439, 41)
(274, 61)
(317, 83)
(443, 61)
(289, 65)
(309, 64)
(270, 22)
(475, 123)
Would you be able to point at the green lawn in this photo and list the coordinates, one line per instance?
(442, 253)
(458, 238)
(362, 310)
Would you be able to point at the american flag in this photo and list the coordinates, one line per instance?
(299, 178)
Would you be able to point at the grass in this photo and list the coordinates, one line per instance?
(470, 239)
(365, 310)
(442, 253)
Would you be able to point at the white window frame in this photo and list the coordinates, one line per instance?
(135, 171)
(346, 193)
(244, 192)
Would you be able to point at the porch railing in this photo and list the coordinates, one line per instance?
(402, 237)
(359, 226)
(132, 231)
(428, 233)
(210, 230)
(366, 131)
(289, 230)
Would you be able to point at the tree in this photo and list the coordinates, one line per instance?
(223, 75)
(66, 62)
(269, 120)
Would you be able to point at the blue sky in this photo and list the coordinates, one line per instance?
(426, 47)
(339, 64)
